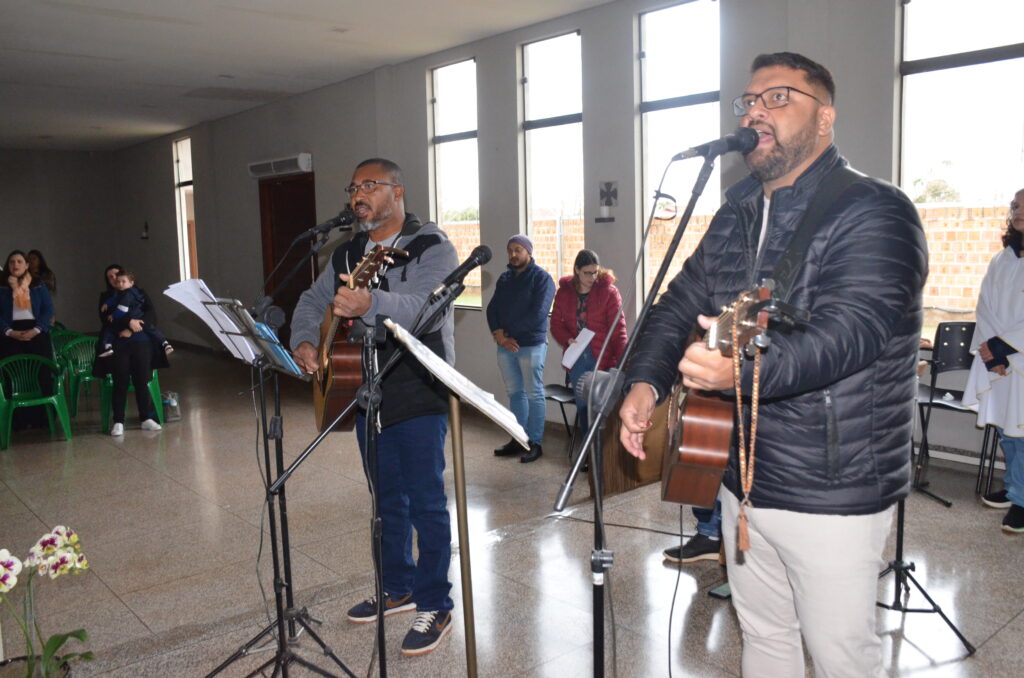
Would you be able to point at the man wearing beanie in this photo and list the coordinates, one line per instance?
(518, 318)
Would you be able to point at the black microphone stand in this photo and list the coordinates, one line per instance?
(603, 394)
(284, 603)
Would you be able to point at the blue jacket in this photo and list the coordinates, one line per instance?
(42, 307)
(521, 304)
(837, 394)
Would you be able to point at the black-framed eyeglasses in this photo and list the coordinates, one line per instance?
(368, 186)
(773, 97)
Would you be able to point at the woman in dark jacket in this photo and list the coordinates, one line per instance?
(589, 299)
(26, 312)
(135, 356)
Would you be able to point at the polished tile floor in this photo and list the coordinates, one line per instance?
(173, 524)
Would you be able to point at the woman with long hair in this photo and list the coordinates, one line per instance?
(995, 387)
(26, 312)
(588, 299)
(40, 271)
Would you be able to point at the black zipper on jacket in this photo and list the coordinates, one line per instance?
(831, 437)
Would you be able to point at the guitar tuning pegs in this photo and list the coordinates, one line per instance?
(762, 341)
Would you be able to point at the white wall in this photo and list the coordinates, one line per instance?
(384, 113)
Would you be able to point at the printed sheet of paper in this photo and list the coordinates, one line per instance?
(575, 350)
(194, 295)
(463, 387)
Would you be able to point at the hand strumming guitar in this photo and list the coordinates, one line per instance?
(306, 356)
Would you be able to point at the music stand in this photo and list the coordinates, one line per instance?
(257, 345)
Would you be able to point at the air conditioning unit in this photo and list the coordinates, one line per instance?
(296, 164)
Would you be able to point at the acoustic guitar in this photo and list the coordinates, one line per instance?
(339, 372)
(698, 449)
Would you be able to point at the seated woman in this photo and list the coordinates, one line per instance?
(589, 299)
(26, 312)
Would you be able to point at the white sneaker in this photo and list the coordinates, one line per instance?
(151, 425)
(117, 430)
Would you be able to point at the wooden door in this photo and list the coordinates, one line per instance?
(287, 208)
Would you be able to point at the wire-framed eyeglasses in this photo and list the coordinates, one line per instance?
(368, 186)
(773, 97)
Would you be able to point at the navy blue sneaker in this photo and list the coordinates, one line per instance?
(366, 611)
(426, 632)
(1014, 519)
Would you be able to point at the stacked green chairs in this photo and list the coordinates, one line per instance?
(20, 377)
(107, 397)
(61, 338)
(77, 358)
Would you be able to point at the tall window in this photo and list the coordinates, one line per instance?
(553, 134)
(679, 107)
(456, 172)
(962, 154)
(188, 265)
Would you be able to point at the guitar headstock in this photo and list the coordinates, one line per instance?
(368, 267)
(753, 321)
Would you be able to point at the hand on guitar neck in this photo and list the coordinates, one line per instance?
(351, 303)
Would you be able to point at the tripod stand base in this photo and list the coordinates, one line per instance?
(286, 652)
(902, 571)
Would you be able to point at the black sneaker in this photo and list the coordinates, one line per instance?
(997, 500)
(508, 449)
(366, 611)
(533, 454)
(1014, 519)
(698, 548)
(426, 632)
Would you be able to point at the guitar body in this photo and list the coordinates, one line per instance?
(340, 374)
(339, 371)
(698, 450)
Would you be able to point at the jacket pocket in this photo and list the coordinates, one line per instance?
(831, 438)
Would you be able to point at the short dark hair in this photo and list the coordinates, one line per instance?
(815, 73)
(126, 273)
(1012, 237)
(389, 166)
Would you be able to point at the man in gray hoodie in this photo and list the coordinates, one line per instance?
(413, 412)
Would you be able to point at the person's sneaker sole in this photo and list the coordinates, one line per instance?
(991, 500)
(691, 559)
(428, 648)
(1013, 530)
(405, 607)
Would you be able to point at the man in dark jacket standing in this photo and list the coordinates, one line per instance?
(518, 317)
(412, 422)
(835, 417)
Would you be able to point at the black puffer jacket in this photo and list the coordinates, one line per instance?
(836, 412)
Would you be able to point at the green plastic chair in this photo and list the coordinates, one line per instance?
(61, 338)
(4, 404)
(107, 398)
(20, 374)
(77, 358)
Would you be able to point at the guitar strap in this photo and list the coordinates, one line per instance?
(832, 187)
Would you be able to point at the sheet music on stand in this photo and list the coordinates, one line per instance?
(466, 389)
(230, 321)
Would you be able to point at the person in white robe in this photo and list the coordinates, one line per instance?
(995, 387)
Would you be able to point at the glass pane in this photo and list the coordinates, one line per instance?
(962, 183)
(674, 67)
(554, 192)
(665, 134)
(455, 98)
(183, 160)
(553, 70)
(458, 205)
(937, 27)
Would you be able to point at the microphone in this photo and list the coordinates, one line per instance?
(345, 218)
(480, 255)
(744, 140)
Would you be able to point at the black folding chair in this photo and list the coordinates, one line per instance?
(951, 351)
(563, 395)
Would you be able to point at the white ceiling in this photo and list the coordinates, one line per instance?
(104, 74)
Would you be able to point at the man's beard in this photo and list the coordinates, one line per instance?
(783, 158)
(370, 225)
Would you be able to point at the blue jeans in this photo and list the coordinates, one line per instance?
(523, 373)
(410, 472)
(587, 362)
(709, 521)
(1013, 479)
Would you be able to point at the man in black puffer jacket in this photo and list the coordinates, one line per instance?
(835, 417)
